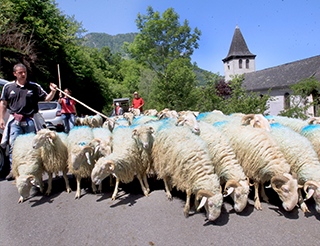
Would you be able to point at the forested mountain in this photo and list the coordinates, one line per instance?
(114, 42)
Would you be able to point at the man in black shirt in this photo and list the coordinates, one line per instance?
(21, 97)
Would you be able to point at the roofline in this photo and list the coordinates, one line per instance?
(235, 57)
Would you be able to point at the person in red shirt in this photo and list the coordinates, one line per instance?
(68, 110)
(137, 102)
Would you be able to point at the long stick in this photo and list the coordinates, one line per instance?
(59, 76)
(95, 111)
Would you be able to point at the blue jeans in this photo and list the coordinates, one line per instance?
(68, 120)
(16, 129)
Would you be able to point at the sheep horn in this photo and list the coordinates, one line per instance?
(278, 180)
(179, 121)
(228, 191)
(204, 193)
(99, 140)
(246, 119)
(111, 166)
(134, 132)
(151, 129)
(311, 120)
(202, 203)
(310, 183)
(232, 183)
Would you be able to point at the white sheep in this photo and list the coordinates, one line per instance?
(182, 159)
(129, 116)
(54, 154)
(294, 124)
(80, 155)
(124, 163)
(26, 165)
(213, 117)
(143, 120)
(312, 132)
(102, 142)
(95, 121)
(262, 161)
(150, 112)
(301, 156)
(225, 163)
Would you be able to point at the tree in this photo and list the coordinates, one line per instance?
(299, 101)
(162, 44)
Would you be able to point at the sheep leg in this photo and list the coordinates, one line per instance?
(66, 180)
(167, 187)
(40, 182)
(302, 204)
(145, 181)
(78, 192)
(257, 203)
(94, 188)
(263, 194)
(144, 190)
(187, 206)
(115, 192)
(100, 187)
(49, 184)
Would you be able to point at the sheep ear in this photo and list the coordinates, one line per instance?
(50, 141)
(88, 158)
(203, 202)
(151, 129)
(228, 192)
(309, 194)
(134, 132)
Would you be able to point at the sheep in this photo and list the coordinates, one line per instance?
(80, 155)
(262, 161)
(301, 156)
(189, 119)
(54, 154)
(144, 119)
(167, 113)
(183, 157)
(150, 112)
(27, 165)
(129, 116)
(213, 117)
(136, 112)
(95, 121)
(225, 163)
(102, 142)
(257, 121)
(295, 124)
(124, 163)
(312, 132)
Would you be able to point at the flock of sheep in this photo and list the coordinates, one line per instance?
(195, 153)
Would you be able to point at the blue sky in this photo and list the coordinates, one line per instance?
(277, 31)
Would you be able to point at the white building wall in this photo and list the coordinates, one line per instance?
(232, 67)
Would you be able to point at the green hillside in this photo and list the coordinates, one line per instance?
(114, 42)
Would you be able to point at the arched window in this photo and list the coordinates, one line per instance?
(240, 63)
(286, 100)
(247, 63)
(228, 64)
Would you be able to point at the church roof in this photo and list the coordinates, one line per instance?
(238, 47)
(284, 75)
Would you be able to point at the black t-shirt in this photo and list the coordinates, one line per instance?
(23, 100)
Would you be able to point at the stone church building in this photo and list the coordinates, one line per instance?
(241, 61)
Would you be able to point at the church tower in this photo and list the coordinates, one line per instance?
(239, 59)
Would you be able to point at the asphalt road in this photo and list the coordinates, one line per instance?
(133, 219)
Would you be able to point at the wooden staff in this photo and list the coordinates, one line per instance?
(59, 76)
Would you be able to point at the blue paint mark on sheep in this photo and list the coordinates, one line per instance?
(276, 125)
(220, 123)
(310, 128)
(79, 127)
(269, 117)
(202, 115)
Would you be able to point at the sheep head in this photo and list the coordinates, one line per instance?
(43, 136)
(314, 121)
(287, 189)
(189, 119)
(212, 203)
(239, 192)
(256, 121)
(80, 154)
(24, 185)
(312, 189)
(102, 147)
(103, 168)
(144, 136)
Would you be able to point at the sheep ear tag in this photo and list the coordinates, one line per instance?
(50, 141)
(202, 203)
